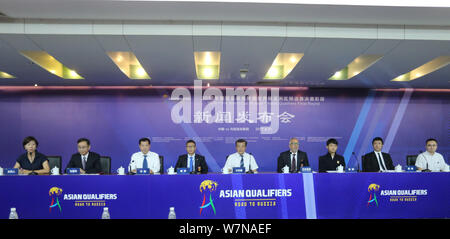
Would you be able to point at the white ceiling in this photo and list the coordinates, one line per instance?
(165, 49)
(169, 59)
(227, 11)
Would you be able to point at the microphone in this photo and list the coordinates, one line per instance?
(129, 168)
(250, 165)
(362, 159)
(356, 158)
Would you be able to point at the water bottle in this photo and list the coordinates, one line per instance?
(13, 214)
(172, 213)
(105, 214)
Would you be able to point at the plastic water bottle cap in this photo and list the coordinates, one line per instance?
(13, 209)
(172, 208)
(105, 209)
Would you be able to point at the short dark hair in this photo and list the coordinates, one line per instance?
(84, 140)
(29, 139)
(377, 139)
(332, 141)
(241, 141)
(144, 139)
(430, 139)
(191, 141)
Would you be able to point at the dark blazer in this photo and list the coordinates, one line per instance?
(92, 164)
(285, 159)
(328, 164)
(199, 161)
(370, 162)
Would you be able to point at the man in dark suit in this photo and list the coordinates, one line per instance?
(195, 163)
(331, 160)
(377, 161)
(293, 158)
(88, 162)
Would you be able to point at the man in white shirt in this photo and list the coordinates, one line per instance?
(431, 159)
(145, 158)
(241, 158)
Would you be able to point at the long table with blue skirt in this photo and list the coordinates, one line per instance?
(263, 195)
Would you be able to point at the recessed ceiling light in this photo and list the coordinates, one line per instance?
(128, 64)
(358, 65)
(283, 64)
(5, 75)
(50, 64)
(431, 66)
(207, 64)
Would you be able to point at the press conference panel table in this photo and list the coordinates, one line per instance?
(263, 195)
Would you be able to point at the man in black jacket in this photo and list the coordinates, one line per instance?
(331, 160)
(195, 163)
(88, 162)
(293, 158)
(377, 161)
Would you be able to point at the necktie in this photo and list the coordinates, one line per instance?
(380, 161)
(191, 159)
(145, 164)
(83, 161)
(294, 163)
(242, 161)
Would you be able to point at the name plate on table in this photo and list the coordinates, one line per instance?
(73, 171)
(10, 171)
(411, 168)
(350, 170)
(238, 170)
(306, 170)
(143, 171)
(182, 171)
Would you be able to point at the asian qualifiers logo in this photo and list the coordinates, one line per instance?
(373, 188)
(54, 193)
(205, 187)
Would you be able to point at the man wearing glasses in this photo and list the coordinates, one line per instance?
(431, 160)
(195, 163)
(293, 158)
(88, 162)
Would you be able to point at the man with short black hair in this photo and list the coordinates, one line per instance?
(241, 158)
(331, 160)
(195, 163)
(377, 161)
(88, 162)
(145, 158)
(430, 159)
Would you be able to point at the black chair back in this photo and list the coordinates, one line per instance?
(362, 163)
(161, 164)
(105, 162)
(55, 161)
(411, 160)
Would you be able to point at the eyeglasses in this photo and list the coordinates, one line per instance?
(293, 143)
